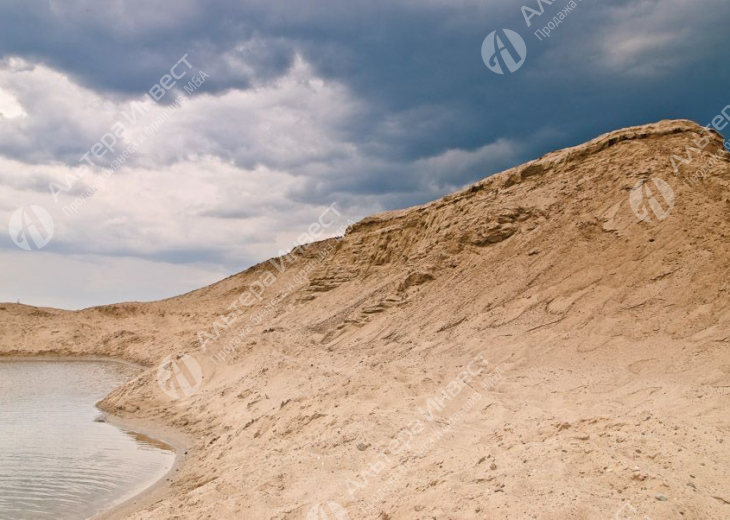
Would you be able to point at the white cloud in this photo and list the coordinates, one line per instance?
(211, 187)
(62, 119)
(9, 106)
(647, 38)
(228, 179)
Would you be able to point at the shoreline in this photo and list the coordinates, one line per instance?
(174, 438)
(156, 491)
(70, 357)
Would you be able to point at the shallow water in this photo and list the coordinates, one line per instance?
(56, 461)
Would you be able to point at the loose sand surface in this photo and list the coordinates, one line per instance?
(607, 388)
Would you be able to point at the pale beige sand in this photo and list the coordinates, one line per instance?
(613, 336)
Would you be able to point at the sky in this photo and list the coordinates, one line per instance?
(294, 106)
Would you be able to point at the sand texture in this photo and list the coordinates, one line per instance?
(607, 338)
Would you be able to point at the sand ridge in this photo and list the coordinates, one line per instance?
(611, 335)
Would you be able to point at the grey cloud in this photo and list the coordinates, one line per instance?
(376, 105)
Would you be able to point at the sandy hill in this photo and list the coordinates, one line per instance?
(607, 340)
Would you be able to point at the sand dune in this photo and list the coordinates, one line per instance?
(607, 340)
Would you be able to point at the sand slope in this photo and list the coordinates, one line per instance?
(611, 335)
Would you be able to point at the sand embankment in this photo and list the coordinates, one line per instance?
(611, 335)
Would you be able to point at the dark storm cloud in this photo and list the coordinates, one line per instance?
(414, 62)
(430, 116)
